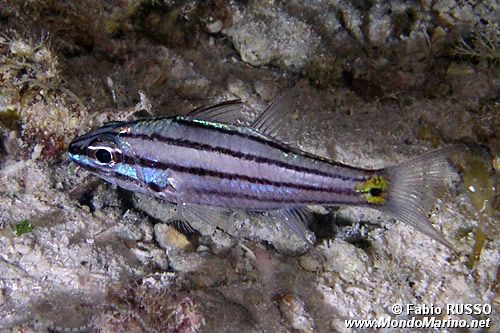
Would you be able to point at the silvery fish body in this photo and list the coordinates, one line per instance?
(194, 159)
(200, 162)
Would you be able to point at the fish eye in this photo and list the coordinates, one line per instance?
(105, 152)
(103, 156)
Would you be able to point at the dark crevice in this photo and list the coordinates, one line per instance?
(87, 199)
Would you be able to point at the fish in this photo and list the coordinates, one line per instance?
(207, 158)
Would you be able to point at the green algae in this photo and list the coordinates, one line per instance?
(430, 134)
(479, 184)
(323, 71)
(22, 228)
(113, 28)
(9, 119)
(480, 189)
(478, 248)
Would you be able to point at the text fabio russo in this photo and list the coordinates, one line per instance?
(447, 309)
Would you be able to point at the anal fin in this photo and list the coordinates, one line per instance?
(210, 216)
(182, 225)
(297, 220)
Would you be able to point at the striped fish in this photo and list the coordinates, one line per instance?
(204, 159)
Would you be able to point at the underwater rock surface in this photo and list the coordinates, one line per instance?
(381, 81)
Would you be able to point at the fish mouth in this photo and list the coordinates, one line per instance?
(75, 148)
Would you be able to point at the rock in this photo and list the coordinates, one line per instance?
(294, 312)
(215, 26)
(345, 259)
(380, 26)
(264, 35)
(168, 237)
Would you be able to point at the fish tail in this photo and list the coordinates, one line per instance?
(412, 188)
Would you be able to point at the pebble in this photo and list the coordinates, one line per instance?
(215, 27)
(294, 312)
(169, 237)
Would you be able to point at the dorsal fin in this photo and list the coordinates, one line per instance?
(271, 120)
(226, 112)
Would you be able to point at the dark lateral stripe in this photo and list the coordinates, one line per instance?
(198, 171)
(112, 174)
(236, 154)
(271, 143)
(245, 196)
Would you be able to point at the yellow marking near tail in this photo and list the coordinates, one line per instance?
(374, 189)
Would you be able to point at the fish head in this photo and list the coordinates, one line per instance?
(110, 155)
(102, 152)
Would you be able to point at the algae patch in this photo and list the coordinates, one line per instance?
(9, 119)
(481, 192)
(22, 228)
(479, 184)
(429, 133)
(478, 248)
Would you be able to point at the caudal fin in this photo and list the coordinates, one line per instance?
(413, 188)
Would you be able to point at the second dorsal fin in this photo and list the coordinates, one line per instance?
(272, 119)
